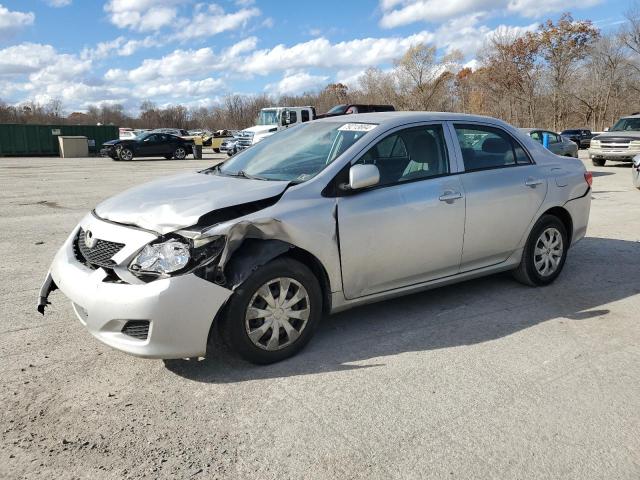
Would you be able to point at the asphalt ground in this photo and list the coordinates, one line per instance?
(484, 379)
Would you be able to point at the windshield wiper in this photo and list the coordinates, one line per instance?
(243, 174)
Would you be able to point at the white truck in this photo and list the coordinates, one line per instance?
(272, 120)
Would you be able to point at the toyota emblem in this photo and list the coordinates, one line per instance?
(89, 239)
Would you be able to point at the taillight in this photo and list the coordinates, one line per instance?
(588, 177)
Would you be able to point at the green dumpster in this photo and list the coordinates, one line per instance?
(38, 140)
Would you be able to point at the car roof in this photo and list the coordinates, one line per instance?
(392, 119)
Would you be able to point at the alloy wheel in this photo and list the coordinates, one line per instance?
(548, 252)
(180, 153)
(277, 313)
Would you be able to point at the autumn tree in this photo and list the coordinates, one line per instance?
(423, 75)
(563, 45)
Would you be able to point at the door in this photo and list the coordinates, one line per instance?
(150, 146)
(504, 190)
(409, 228)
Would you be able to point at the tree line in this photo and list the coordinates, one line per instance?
(564, 74)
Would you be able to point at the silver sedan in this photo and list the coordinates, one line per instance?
(558, 144)
(316, 219)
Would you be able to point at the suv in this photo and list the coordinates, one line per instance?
(348, 108)
(580, 137)
(621, 142)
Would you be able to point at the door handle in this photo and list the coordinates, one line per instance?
(449, 196)
(533, 182)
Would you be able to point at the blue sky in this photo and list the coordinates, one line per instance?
(194, 52)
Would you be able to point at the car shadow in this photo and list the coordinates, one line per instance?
(598, 271)
(602, 174)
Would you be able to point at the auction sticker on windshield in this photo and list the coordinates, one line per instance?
(357, 127)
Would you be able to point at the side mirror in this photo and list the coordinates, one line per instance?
(286, 118)
(362, 176)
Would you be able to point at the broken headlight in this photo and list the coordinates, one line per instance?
(162, 258)
(176, 255)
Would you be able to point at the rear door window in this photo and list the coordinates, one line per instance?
(484, 147)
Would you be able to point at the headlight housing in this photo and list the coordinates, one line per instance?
(176, 255)
(162, 258)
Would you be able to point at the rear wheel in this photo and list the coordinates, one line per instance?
(125, 154)
(274, 313)
(598, 162)
(544, 253)
(180, 153)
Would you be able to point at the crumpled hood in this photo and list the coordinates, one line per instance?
(112, 142)
(177, 202)
(626, 134)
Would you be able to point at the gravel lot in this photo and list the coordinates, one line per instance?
(486, 379)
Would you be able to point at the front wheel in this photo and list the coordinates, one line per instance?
(544, 253)
(274, 313)
(598, 162)
(180, 153)
(125, 154)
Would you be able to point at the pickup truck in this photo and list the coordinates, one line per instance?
(582, 137)
(620, 143)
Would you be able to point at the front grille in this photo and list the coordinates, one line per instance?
(615, 140)
(99, 255)
(137, 329)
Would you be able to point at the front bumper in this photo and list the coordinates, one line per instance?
(180, 309)
(108, 152)
(624, 154)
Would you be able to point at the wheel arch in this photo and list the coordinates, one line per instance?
(565, 217)
(254, 253)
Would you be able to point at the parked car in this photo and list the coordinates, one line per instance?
(178, 132)
(228, 146)
(621, 142)
(558, 144)
(349, 108)
(218, 137)
(635, 171)
(581, 137)
(148, 145)
(420, 200)
(126, 133)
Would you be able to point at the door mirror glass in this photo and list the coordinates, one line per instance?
(362, 176)
(286, 118)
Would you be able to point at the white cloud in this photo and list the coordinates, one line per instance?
(396, 13)
(212, 20)
(300, 82)
(59, 3)
(467, 35)
(119, 46)
(13, 21)
(142, 15)
(319, 52)
(25, 58)
(538, 8)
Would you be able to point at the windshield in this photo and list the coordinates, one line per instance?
(626, 124)
(296, 154)
(268, 117)
(338, 109)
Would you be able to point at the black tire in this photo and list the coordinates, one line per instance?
(598, 162)
(526, 272)
(232, 322)
(180, 153)
(217, 150)
(125, 154)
